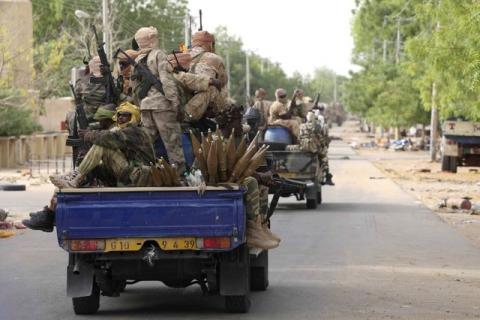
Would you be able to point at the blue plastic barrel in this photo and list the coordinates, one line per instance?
(187, 149)
(278, 134)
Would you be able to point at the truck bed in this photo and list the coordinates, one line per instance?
(103, 213)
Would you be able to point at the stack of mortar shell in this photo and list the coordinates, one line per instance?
(221, 160)
(164, 175)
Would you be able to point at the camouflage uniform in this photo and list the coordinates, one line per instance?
(264, 107)
(160, 111)
(279, 109)
(314, 138)
(127, 153)
(209, 64)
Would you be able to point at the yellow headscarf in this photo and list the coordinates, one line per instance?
(132, 109)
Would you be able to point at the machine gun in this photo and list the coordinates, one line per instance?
(143, 74)
(111, 94)
(80, 119)
(283, 186)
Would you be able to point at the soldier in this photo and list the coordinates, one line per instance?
(281, 115)
(204, 61)
(127, 152)
(299, 110)
(160, 110)
(263, 106)
(93, 91)
(125, 70)
(314, 138)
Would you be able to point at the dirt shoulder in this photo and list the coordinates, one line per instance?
(414, 173)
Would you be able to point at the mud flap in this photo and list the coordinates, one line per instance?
(234, 274)
(311, 190)
(80, 284)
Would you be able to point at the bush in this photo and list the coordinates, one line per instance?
(15, 117)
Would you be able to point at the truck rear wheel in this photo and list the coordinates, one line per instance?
(311, 203)
(88, 304)
(259, 272)
(449, 164)
(237, 304)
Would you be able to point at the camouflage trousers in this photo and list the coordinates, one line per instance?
(256, 198)
(165, 124)
(322, 157)
(116, 163)
(252, 198)
(201, 101)
(263, 201)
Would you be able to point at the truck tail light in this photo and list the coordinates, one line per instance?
(213, 243)
(87, 245)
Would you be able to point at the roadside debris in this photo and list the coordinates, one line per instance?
(8, 225)
(456, 203)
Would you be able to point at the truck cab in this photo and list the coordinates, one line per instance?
(460, 144)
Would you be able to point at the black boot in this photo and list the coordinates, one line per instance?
(328, 179)
(43, 220)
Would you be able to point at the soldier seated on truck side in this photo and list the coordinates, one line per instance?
(126, 152)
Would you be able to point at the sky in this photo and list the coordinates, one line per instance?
(301, 35)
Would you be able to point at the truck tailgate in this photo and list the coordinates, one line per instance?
(149, 212)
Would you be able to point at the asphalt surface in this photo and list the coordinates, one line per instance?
(370, 251)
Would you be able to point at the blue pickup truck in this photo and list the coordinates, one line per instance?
(119, 236)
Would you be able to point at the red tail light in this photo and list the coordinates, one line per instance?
(87, 245)
(214, 243)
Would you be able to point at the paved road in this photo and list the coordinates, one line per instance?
(369, 252)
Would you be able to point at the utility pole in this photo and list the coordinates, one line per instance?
(384, 56)
(335, 88)
(397, 47)
(434, 119)
(106, 27)
(434, 124)
(247, 77)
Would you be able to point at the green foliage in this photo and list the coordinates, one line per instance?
(440, 44)
(15, 116)
(384, 89)
(448, 54)
(62, 41)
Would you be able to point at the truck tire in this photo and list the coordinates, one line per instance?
(446, 163)
(88, 304)
(319, 196)
(237, 304)
(311, 203)
(13, 187)
(259, 272)
(449, 164)
(453, 164)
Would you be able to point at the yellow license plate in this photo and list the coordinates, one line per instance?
(135, 244)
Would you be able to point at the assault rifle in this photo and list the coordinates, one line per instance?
(317, 100)
(201, 24)
(142, 73)
(80, 119)
(179, 67)
(111, 94)
(283, 186)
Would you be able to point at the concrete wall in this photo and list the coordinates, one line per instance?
(16, 38)
(55, 111)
